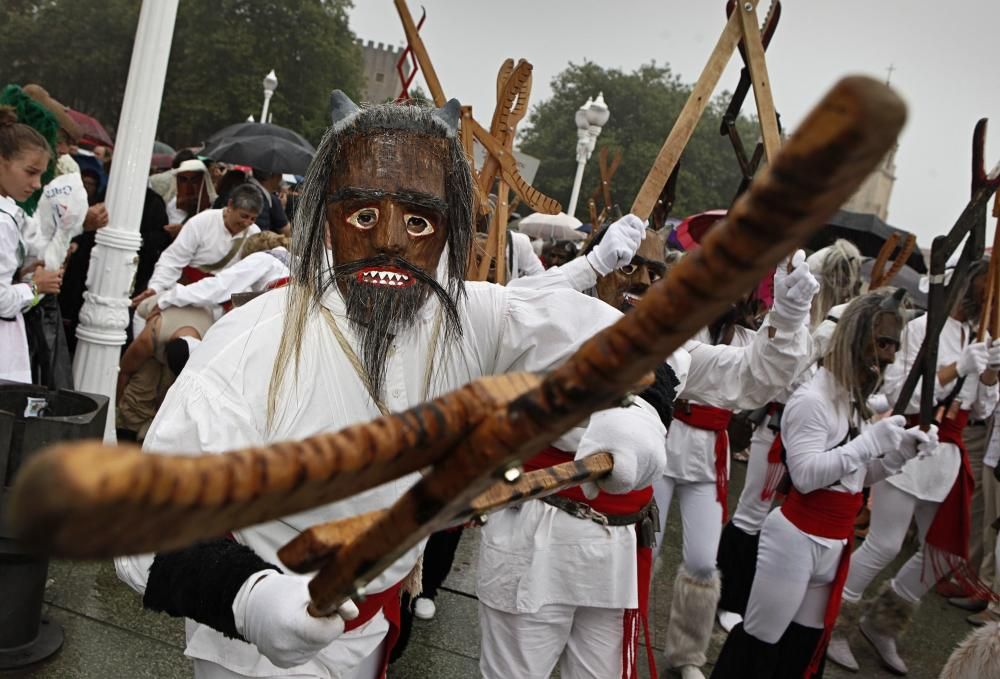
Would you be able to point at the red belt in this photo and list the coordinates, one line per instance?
(827, 514)
(616, 505)
(716, 420)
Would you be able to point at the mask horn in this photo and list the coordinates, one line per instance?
(893, 301)
(341, 107)
(450, 114)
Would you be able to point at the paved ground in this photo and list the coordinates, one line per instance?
(108, 635)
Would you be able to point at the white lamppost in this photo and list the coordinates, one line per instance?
(104, 315)
(590, 119)
(270, 85)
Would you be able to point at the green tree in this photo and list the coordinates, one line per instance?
(644, 105)
(80, 52)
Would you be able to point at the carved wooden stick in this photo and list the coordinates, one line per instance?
(319, 545)
(94, 501)
(833, 151)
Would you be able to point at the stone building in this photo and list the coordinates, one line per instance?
(874, 194)
(379, 63)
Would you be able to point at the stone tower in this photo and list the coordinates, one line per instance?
(874, 194)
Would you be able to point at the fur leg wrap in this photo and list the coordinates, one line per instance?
(977, 656)
(692, 615)
(889, 613)
(202, 581)
(848, 618)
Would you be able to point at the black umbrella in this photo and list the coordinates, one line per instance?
(269, 154)
(259, 130)
(867, 232)
(907, 278)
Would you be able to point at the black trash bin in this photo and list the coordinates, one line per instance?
(25, 637)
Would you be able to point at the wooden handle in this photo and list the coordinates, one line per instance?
(828, 158)
(319, 545)
(88, 500)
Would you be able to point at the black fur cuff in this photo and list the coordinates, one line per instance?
(662, 393)
(202, 581)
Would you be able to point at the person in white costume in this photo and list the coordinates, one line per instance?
(543, 602)
(24, 156)
(838, 269)
(832, 451)
(364, 328)
(209, 242)
(935, 490)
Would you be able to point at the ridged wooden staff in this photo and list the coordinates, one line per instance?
(833, 151)
(88, 500)
(102, 503)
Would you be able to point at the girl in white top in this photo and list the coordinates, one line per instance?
(24, 156)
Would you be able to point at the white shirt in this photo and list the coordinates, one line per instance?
(537, 555)
(219, 403)
(814, 427)
(15, 364)
(203, 241)
(523, 260)
(931, 477)
(251, 274)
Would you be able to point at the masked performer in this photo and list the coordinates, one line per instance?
(936, 490)
(838, 268)
(831, 452)
(377, 319)
(543, 598)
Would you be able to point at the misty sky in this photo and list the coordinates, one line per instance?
(945, 56)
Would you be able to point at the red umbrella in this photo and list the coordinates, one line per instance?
(93, 132)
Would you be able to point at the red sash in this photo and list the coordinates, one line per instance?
(192, 274)
(386, 601)
(717, 420)
(826, 514)
(775, 465)
(946, 545)
(616, 505)
(279, 283)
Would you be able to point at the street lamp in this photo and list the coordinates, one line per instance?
(270, 85)
(590, 119)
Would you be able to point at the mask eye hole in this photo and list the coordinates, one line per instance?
(418, 226)
(628, 269)
(365, 218)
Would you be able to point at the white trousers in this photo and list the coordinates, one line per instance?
(892, 510)
(368, 669)
(751, 510)
(586, 642)
(701, 517)
(794, 573)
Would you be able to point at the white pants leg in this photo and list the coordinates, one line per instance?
(701, 516)
(751, 510)
(892, 510)
(368, 669)
(529, 645)
(794, 573)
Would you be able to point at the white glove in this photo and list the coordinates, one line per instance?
(973, 360)
(879, 403)
(915, 442)
(270, 612)
(618, 246)
(882, 437)
(793, 292)
(993, 355)
(637, 440)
